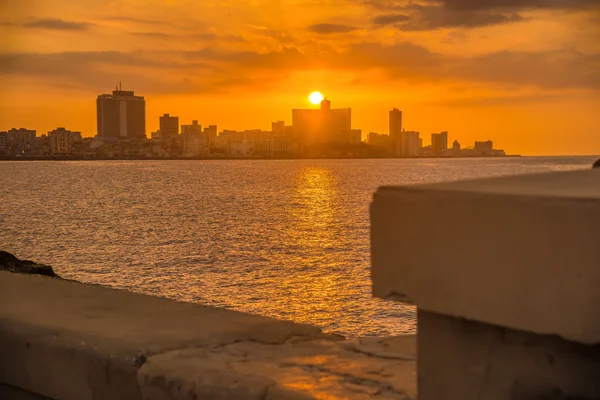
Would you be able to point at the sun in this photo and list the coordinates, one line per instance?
(315, 97)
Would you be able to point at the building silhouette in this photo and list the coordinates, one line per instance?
(396, 131)
(62, 141)
(192, 129)
(323, 125)
(121, 114)
(278, 127)
(410, 144)
(484, 148)
(456, 148)
(439, 143)
(18, 141)
(169, 127)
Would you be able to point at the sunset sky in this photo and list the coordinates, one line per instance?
(525, 73)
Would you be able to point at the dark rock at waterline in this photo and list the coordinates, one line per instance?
(10, 263)
(596, 164)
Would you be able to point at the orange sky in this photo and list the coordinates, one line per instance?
(525, 73)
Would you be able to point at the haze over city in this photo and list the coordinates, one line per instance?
(459, 66)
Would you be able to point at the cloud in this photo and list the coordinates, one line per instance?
(157, 35)
(331, 28)
(135, 20)
(463, 5)
(484, 5)
(213, 37)
(209, 69)
(424, 18)
(57, 24)
(390, 19)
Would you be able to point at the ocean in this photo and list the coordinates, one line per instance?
(287, 239)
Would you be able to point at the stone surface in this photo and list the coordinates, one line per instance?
(299, 369)
(66, 340)
(520, 251)
(11, 263)
(460, 359)
(8, 392)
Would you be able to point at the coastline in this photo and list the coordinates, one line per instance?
(50, 158)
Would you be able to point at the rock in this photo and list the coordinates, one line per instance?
(596, 164)
(10, 263)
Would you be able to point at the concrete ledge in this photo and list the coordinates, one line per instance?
(521, 252)
(65, 340)
(467, 360)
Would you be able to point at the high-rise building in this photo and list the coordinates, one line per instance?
(324, 125)
(410, 143)
(169, 127)
(396, 131)
(121, 114)
(192, 129)
(439, 143)
(210, 134)
(62, 141)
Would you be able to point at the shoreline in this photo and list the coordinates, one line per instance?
(50, 158)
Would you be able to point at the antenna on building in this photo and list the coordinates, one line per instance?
(117, 86)
(120, 87)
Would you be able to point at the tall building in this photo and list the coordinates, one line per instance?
(121, 114)
(322, 125)
(169, 127)
(62, 141)
(410, 144)
(396, 131)
(192, 129)
(210, 133)
(439, 143)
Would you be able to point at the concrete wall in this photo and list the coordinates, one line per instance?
(505, 275)
(65, 340)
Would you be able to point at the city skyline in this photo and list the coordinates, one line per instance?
(121, 116)
(322, 132)
(468, 64)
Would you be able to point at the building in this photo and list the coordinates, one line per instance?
(62, 141)
(323, 125)
(210, 135)
(121, 114)
(18, 141)
(4, 142)
(456, 150)
(278, 127)
(193, 129)
(355, 136)
(484, 148)
(410, 144)
(396, 131)
(439, 143)
(155, 135)
(169, 127)
(194, 140)
(194, 145)
(380, 140)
